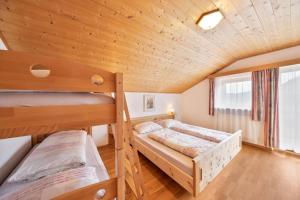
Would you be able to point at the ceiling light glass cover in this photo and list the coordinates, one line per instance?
(210, 20)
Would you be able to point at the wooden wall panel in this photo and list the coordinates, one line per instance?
(155, 43)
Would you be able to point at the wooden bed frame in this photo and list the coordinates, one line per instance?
(22, 71)
(190, 183)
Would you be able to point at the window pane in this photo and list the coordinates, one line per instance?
(233, 92)
(289, 108)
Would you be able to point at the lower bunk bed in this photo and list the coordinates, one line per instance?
(192, 173)
(90, 170)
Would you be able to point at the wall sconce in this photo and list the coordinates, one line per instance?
(171, 111)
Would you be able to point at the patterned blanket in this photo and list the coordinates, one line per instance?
(188, 145)
(54, 185)
(204, 133)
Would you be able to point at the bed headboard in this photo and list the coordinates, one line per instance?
(23, 71)
(138, 120)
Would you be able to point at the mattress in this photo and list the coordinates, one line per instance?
(13, 99)
(182, 161)
(92, 159)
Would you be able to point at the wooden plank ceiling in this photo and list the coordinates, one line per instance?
(155, 43)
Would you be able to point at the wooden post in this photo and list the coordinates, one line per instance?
(197, 173)
(119, 137)
(33, 140)
(89, 130)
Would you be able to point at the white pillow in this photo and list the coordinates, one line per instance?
(168, 123)
(58, 152)
(147, 127)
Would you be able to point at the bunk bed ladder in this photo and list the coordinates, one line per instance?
(134, 177)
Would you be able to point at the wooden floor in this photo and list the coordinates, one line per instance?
(253, 175)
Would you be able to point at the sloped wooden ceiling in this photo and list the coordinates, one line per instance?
(156, 43)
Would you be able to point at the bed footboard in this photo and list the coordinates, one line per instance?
(181, 177)
(207, 166)
(197, 177)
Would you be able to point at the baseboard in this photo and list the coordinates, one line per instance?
(258, 146)
(273, 150)
(287, 153)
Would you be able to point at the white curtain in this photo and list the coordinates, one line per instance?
(231, 120)
(233, 107)
(289, 108)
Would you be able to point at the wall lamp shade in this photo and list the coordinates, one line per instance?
(171, 111)
(210, 20)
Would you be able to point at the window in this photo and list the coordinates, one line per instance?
(233, 92)
(289, 108)
(233, 107)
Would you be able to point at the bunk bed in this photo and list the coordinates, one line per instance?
(192, 173)
(41, 96)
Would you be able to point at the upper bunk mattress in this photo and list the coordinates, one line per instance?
(31, 99)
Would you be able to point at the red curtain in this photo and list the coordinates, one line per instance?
(211, 108)
(265, 103)
(258, 90)
(271, 127)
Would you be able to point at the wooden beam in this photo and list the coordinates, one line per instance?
(119, 137)
(284, 63)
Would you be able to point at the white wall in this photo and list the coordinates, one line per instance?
(163, 103)
(194, 106)
(12, 151)
(273, 57)
(100, 135)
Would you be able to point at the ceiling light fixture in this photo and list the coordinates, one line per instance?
(210, 19)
